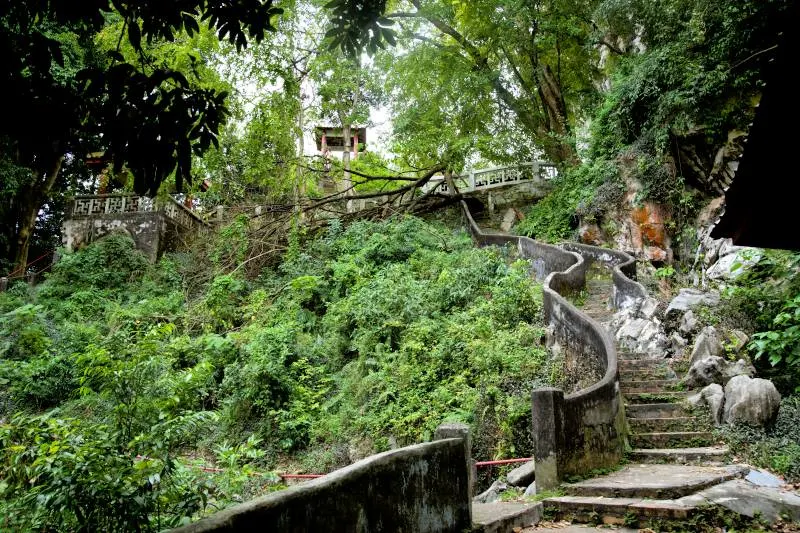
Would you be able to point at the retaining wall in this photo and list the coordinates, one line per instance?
(579, 432)
(423, 488)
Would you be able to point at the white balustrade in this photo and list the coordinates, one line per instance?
(111, 204)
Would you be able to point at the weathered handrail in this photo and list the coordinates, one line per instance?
(490, 178)
(108, 204)
(576, 433)
(425, 488)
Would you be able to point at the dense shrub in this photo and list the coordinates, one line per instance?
(362, 338)
(555, 217)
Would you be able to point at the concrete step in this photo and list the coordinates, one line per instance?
(639, 356)
(504, 516)
(710, 454)
(645, 374)
(615, 511)
(655, 481)
(649, 385)
(651, 397)
(656, 410)
(667, 424)
(637, 364)
(672, 439)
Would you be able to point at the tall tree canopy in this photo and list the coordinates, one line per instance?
(533, 60)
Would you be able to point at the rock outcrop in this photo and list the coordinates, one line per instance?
(714, 397)
(715, 369)
(707, 344)
(522, 476)
(688, 299)
(751, 401)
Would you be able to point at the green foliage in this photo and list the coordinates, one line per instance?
(764, 299)
(665, 272)
(555, 217)
(111, 263)
(66, 474)
(684, 82)
(782, 343)
(360, 338)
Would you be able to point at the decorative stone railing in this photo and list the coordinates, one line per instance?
(490, 178)
(585, 430)
(115, 204)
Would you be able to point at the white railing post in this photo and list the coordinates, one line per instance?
(471, 180)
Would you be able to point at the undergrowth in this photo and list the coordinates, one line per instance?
(360, 340)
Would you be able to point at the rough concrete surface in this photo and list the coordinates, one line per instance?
(747, 499)
(504, 516)
(656, 481)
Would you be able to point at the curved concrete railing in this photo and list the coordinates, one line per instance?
(576, 433)
(424, 488)
(627, 291)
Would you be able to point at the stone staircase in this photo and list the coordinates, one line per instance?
(661, 427)
(672, 450)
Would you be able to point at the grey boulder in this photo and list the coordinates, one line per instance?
(688, 323)
(687, 299)
(707, 344)
(753, 401)
(492, 494)
(733, 263)
(522, 475)
(714, 397)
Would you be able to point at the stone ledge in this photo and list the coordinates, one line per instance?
(504, 516)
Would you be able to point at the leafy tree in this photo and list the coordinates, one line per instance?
(151, 118)
(534, 58)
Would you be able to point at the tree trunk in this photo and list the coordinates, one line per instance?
(347, 180)
(29, 210)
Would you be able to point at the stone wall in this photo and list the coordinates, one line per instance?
(153, 232)
(145, 228)
(576, 433)
(423, 488)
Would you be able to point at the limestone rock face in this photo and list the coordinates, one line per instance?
(739, 339)
(687, 299)
(678, 343)
(688, 323)
(707, 344)
(647, 233)
(753, 401)
(522, 476)
(714, 397)
(643, 336)
(648, 308)
(715, 370)
(590, 233)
